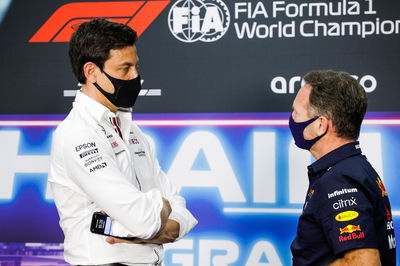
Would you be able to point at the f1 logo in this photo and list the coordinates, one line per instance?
(136, 14)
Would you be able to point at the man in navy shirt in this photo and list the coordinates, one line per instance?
(346, 218)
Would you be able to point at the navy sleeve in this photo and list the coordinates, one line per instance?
(346, 214)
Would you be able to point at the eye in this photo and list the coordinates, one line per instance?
(125, 69)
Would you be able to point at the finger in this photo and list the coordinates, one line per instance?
(113, 240)
(110, 240)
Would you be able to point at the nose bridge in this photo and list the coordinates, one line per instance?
(133, 73)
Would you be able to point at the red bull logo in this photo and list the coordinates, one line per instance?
(350, 229)
(351, 236)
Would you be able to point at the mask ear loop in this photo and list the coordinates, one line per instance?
(115, 94)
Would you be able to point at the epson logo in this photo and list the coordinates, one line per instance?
(85, 146)
(281, 85)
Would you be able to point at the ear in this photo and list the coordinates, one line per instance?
(324, 125)
(91, 71)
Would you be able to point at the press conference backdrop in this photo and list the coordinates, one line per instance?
(218, 79)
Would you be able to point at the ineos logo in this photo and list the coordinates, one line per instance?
(280, 85)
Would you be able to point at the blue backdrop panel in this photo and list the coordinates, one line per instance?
(242, 177)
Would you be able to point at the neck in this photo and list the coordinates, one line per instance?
(91, 91)
(327, 144)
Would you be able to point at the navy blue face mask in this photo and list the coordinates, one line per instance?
(297, 129)
(125, 93)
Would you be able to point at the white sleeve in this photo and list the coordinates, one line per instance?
(106, 186)
(179, 212)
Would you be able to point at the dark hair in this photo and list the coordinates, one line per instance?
(93, 40)
(339, 97)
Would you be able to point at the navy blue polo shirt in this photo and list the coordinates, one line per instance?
(346, 207)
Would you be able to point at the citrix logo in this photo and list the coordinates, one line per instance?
(344, 203)
(136, 14)
(198, 20)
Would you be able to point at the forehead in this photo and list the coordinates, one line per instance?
(302, 97)
(127, 53)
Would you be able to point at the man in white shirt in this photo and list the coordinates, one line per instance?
(102, 162)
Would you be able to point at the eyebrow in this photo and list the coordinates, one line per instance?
(126, 64)
(129, 63)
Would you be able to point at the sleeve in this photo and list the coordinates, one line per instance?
(179, 212)
(347, 215)
(91, 164)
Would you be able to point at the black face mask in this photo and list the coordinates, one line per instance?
(125, 93)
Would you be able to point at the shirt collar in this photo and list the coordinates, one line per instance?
(97, 110)
(331, 158)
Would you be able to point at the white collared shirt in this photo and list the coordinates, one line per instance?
(93, 169)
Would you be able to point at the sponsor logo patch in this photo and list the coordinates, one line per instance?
(344, 203)
(98, 167)
(133, 141)
(310, 193)
(140, 153)
(342, 192)
(388, 214)
(89, 152)
(92, 160)
(346, 216)
(350, 229)
(381, 186)
(350, 232)
(85, 146)
(392, 241)
(351, 236)
(389, 225)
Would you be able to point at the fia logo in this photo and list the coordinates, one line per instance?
(193, 20)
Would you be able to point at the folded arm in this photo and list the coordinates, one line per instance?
(359, 257)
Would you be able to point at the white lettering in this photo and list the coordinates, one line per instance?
(183, 253)
(184, 259)
(264, 185)
(341, 192)
(389, 225)
(220, 175)
(17, 163)
(180, 15)
(392, 241)
(212, 20)
(370, 10)
(344, 203)
(298, 181)
(263, 248)
(280, 85)
(242, 7)
(207, 246)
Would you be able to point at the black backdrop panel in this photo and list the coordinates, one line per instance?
(231, 74)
